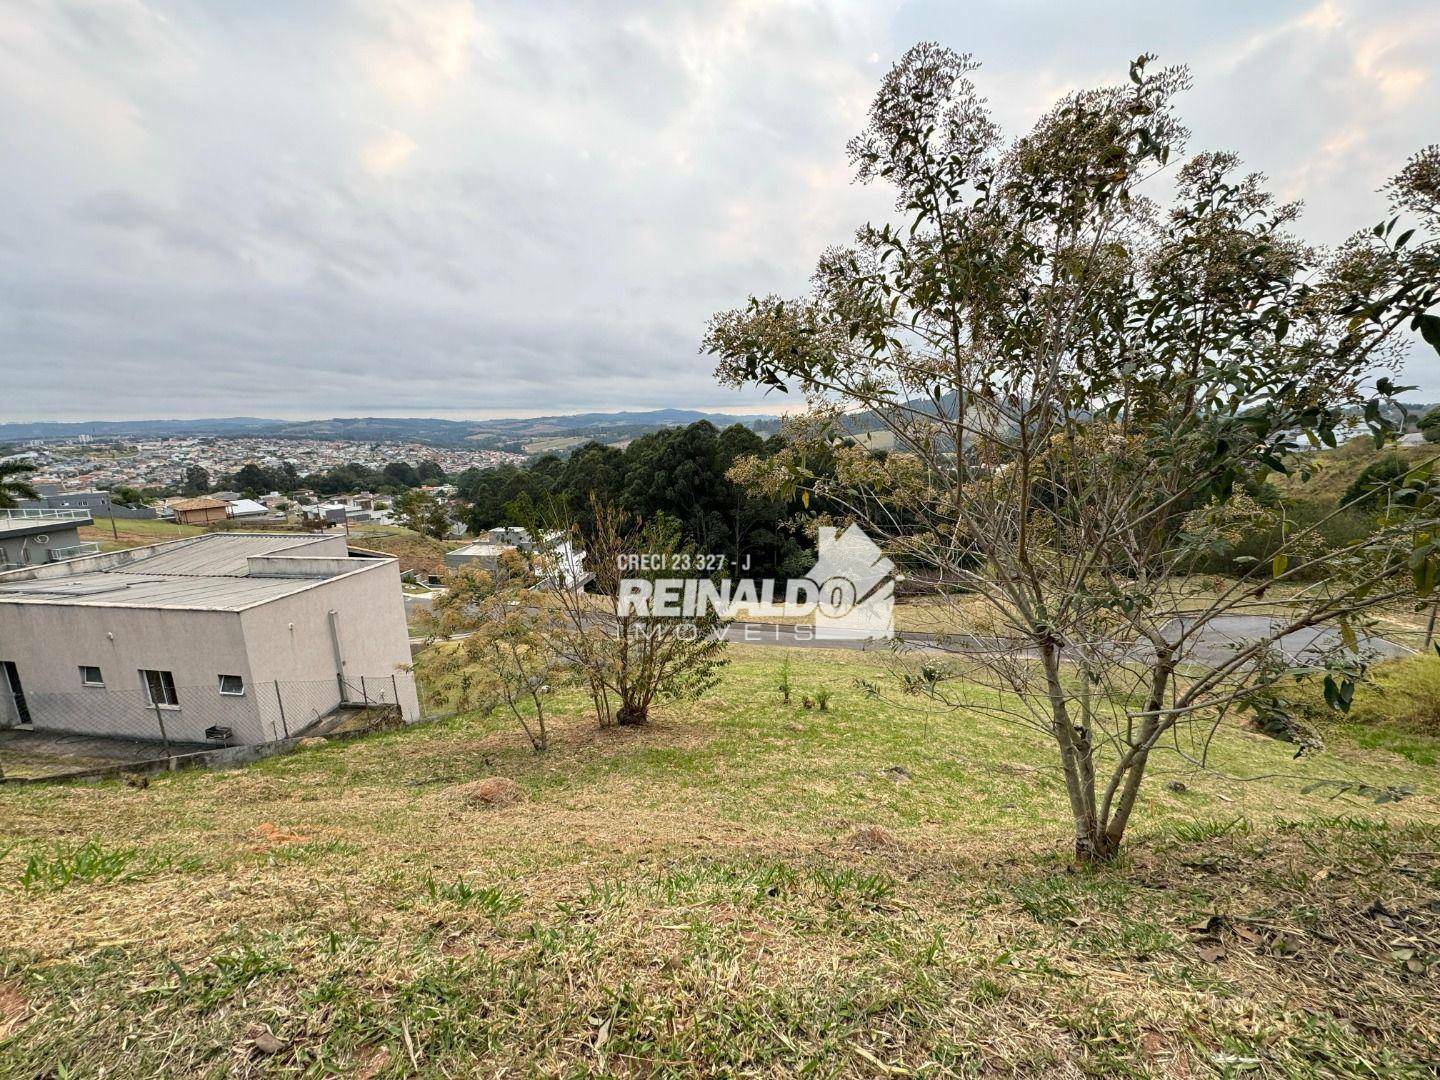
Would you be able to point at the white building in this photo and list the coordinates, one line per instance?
(243, 637)
(554, 560)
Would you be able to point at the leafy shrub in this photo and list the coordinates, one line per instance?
(1396, 707)
(784, 686)
(1375, 481)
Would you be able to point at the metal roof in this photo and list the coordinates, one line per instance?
(207, 572)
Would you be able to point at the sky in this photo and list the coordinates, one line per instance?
(456, 209)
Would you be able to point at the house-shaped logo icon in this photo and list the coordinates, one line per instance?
(856, 591)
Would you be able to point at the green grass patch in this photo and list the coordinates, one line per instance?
(745, 887)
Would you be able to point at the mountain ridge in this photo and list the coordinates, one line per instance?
(379, 429)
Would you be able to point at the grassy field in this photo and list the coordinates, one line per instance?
(129, 533)
(1402, 621)
(1335, 470)
(414, 550)
(745, 887)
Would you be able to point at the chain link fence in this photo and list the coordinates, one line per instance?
(160, 718)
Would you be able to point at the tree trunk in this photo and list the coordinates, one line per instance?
(1117, 818)
(1091, 844)
(632, 715)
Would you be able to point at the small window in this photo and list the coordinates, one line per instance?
(232, 685)
(160, 687)
(91, 676)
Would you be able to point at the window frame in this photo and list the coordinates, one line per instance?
(166, 679)
(85, 679)
(232, 693)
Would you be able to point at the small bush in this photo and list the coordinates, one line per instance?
(1396, 707)
(822, 700)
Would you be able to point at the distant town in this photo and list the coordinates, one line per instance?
(85, 463)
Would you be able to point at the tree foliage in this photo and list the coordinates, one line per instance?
(423, 513)
(629, 661)
(1078, 381)
(680, 472)
(493, 648)
(13, 483)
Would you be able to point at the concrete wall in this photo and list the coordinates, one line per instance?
(292, 639)
(485, 561)
(49, 642)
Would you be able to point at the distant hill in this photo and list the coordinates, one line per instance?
(483, 433)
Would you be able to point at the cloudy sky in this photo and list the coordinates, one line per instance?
(448, 208)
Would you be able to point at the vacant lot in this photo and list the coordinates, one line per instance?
(129, 533)
(415, 551)
(745, 887)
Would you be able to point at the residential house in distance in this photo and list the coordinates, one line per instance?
(202, 510)
(97, 503)
(565, 566)
(339, 512)
(240, 637)
(249, 509)
(34, 536)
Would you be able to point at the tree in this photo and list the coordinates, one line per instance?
(197, 481)
(423, 513)
(629, 660)
(1076, 383)
(124, 495)
(1376, 482)
(401, 474)
(676, 471)
(13, 485)
(1429, 425)
(492, 645)
(430, 472)
(252, 480)
(256, 480)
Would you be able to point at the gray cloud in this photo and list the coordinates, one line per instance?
(435, 207)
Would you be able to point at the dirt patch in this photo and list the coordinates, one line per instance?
(13, 1009)
(492, 791)
(271, 836)
(872, 838)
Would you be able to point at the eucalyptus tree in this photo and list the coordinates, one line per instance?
(1080, 380)
(13, 483)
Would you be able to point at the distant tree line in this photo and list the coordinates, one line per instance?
(253, 480)
(677, 472)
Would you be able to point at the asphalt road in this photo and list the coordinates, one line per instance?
(1213, 645)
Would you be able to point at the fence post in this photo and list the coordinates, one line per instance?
(340, 680)
(395, 689)
(364, 695)
(164, 738)
(281, 702)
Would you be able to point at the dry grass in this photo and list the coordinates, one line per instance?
(743, 888)
(415, 551)
(128, 533)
